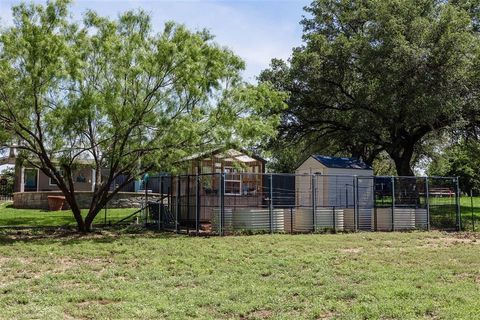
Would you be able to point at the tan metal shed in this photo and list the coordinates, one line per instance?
(340, 182)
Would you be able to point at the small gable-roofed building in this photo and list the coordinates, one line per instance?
(244, 184)
(319, 164)
(334, 180)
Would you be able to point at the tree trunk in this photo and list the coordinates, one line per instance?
(402, 159)
(77, 212)
(402, 166)
(405, 188)
(92, 213)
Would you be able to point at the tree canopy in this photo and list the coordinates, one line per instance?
(380, 76)
(116, 93)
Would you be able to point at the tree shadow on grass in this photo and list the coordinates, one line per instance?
(68, 235)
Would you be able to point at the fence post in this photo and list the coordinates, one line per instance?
(291, 220)
(160, 206)
(354, 188)
(145, 208)
(197, 204)
(375, 214)
(357, 199)
(170, 195)
(392, 179)
(473, 214)
(270, 206)
(188, 203)
(314, 202)
(334, 222)
(427, 200)
(177, 210)
(222, 203)
(457, 202)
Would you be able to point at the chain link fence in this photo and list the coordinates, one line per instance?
(227, 203)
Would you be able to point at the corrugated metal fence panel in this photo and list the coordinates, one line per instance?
(255, 219)
(365, 219)
(404, 218)
(288, 219)
(303, 219)
(384, 219)
(215, 218)
(325, 218)
(258, 219)
(421, 220)
(349, 219)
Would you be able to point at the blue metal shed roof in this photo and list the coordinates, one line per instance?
(341, 162)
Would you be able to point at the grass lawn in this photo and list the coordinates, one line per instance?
(36, 218)
(32, 217)
(466, 210)
(111, 275)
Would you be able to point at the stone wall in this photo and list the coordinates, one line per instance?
(39, 200)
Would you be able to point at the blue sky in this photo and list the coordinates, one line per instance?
(257, 31)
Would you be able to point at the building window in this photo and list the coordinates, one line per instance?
(233, 181)
(30, 179)
(51, 182)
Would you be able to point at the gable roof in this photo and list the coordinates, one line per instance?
(341, 162)
(233, 155)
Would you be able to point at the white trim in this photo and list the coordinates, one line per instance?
(22, 179)
(94, 179)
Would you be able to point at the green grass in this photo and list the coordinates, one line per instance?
(467, 217)
(31, 217)
(110, 275)
(36, 218)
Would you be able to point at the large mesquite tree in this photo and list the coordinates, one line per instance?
(380, 75)
(120, 96)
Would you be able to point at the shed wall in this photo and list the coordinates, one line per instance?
(303, 182)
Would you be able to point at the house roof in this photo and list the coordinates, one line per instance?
(341, 162)
(226, 155)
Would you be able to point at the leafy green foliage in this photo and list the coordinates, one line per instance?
(459, 160)
(115, 93)
(9, 175)
(376, 76)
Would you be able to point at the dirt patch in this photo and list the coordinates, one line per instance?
(327, 315)
(351, 250)
(259, 314)
(102, 302)
(23, 260)
(452, 240)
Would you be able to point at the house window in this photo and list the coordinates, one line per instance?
(233, 181)
(81, 178)
(51, 182)
(30, 179)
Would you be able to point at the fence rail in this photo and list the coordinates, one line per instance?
(224, 203)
